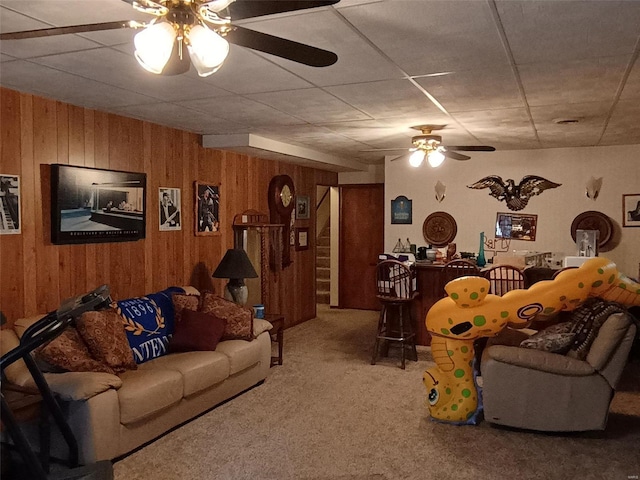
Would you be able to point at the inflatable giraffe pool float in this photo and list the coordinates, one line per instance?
(470, 312)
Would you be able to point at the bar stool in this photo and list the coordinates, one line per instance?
(395, 284)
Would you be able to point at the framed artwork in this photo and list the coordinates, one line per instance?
(207, 208)
(302, 238)
(94, 205)
(302, 206)
(170, 209)
(10, 198)
(587, 243)
(401, 210)
(516, 226)
(631, 210)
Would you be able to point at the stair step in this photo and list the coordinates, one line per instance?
(323, 297)
(322, 251)
(323, 241)
(323, 284)
(323, 273)
(323, 262)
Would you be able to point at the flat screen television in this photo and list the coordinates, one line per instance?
(92, 205)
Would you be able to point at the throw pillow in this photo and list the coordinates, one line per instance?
(197, 331)
(69, 352)
(182, 301)
(556, 338)
(239, 319)
(103, 333)
(148, 322)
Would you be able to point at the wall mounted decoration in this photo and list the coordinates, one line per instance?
(170, 209)
(401, 210)
(302, 206)
(631, 210)
(439, 229)
(516, 226)
(292, 224)
(9, 204)
(207, 208)
(281, 197)
(302, 238)
(587, 243)
(515, 196)
(593, 220)
(441, 191)
(92, 205)
(593, 188)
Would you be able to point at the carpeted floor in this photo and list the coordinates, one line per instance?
(327, 414)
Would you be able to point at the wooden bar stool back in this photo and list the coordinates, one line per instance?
(504, 278)
(396, 288)
(458, 268)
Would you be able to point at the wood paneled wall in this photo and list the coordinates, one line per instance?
(35, 275)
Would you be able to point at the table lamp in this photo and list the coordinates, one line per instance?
(235, 266)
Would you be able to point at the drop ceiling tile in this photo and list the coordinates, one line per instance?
(577, 81)
(27, 77)
(386, 99)
(116, 68)
(488, 88)
(623, 127)
(245, 72)
(509, 125)
(357, 60)
(240, 110)
(424, 37)
(311, 105)
(632, 86)
(556, 31)
(6, 58)
(591, 120)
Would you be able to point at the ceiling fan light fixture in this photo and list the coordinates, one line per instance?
(207, 50)
(154, 45)
(435, 158)
(416, 158)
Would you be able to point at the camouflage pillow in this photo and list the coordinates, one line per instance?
(239, 319)
(556, 339)
(104, 334)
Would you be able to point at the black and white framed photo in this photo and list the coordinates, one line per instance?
(170, 209)
(302, 206)
(9, 204)
(587, 243)
(631, 210)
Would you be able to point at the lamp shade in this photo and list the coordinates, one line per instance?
(207, 50)
(154, 45)
(235, 264)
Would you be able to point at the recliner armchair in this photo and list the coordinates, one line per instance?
(540, 390)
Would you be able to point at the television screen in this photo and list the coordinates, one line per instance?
(91, 205)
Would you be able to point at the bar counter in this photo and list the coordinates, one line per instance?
(430, 285)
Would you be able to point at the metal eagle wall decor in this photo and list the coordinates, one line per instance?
(515, 196)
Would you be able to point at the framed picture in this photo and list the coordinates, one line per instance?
(302, 238)
(169, 202)
(302, 206)
(10, 198)
(93, 205)
(292, 232)
(516, 226)
(631, 210)
(401, 210)
(587, 243)
(207, 207)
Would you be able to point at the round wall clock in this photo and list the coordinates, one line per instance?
(281, 202)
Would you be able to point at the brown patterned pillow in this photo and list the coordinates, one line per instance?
(69, 352)
(182, 301)
(239, 319)
(104, 334)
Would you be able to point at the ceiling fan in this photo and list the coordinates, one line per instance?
(429, 146)
(205, 28)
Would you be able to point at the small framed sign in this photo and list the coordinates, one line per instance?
(401, 210)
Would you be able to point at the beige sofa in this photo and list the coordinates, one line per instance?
(540, 390)
(112, 415)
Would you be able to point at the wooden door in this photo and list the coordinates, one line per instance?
(361, 241)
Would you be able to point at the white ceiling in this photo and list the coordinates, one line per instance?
(495, 72)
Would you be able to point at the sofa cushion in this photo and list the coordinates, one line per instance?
(69, 352)
(197, 331)
(242, 354)
(147, 391)
(71, 386)
(104, 334)
(148, 322)
(182, 301)
(608, 339)
(539, 360)
(260, 326)
(199, 370)
(239, 319)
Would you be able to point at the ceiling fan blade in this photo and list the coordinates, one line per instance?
(47, 32)
(455, 156)
(384, 149)
(471, 148)
(256, 8)
(281, 47)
